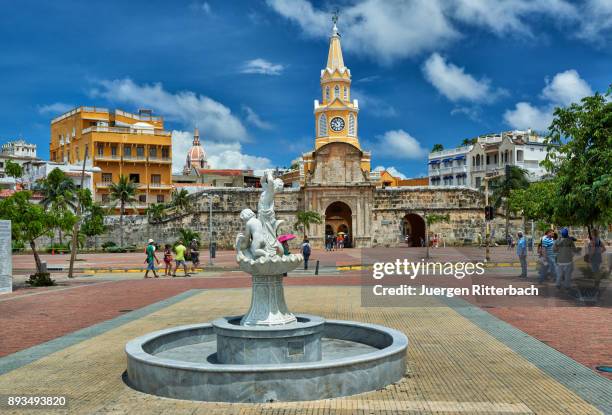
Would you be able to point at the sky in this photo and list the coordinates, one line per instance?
(247, 72)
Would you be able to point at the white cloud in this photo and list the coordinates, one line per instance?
(186, 107)
(566, 87)
(262, 66)
(373, 105)
(220, 155)
(55, 109)
(255, 119)
(398, 144)
(388, 30)
(392, 171)
(201, 7)
(455, 84)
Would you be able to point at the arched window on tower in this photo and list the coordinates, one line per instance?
(351, 128)
(337, 92)
(322, 125)
(326, 93)
(345, 93)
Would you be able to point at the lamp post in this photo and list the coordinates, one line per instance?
(210, 228)
(487, 222)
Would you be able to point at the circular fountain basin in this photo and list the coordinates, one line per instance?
(182, 362)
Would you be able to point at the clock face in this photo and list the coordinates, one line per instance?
(337, 124)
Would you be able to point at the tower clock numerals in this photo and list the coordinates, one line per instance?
(337, 124)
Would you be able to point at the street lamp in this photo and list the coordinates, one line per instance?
(211, 250)
(487, 226)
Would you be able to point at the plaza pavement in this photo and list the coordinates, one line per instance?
(69, 340)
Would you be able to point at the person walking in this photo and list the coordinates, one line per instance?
(179, 259)
(306, 250)
(168, 260)
(194, 248)
(521, 252)
(565, 249)
(547, 244)
(151, 259)
(542, 263)
(596, 250)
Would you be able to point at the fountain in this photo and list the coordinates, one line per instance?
(269, 354)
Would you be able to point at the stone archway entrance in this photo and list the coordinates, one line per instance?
(413, 225)
(339, 218)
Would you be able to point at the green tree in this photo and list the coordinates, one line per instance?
(580, 156)
(59, 193)
(30, 221)
(501, 187)
(155, 212)
(437, 147)
(123, 193)
(469, 141)
(536, 202)
(92, 215)
(431, 219)
(306, 218)
(187, 235)
(180, 199)
(13, 169)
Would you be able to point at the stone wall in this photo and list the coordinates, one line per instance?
(6, 259)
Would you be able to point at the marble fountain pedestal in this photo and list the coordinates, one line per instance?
(269, 354)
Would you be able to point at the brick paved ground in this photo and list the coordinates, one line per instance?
(453, 365)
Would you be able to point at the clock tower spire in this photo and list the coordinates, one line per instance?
(336, 115)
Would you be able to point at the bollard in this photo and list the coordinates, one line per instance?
(317, 268)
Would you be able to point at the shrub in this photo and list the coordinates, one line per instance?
(17, 246)
(108, 244)
(40, 279)
(57, 247)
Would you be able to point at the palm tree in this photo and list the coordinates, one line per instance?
(437, 147)
(156, 212)
(469, 141)
(430, 220)
(307, 218)
(501, 187)
(59, 193)
(187, 235)
(124, 193)
(180, 199)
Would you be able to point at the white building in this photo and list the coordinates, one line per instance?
(40, 169)
(18, 151)
(488, 156)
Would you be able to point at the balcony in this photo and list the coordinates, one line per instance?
(135, 159)
(126, 130)
(476, 169)
(160, 186)
(103, 185)
(107, 157)
(460, 169)
(163, 160)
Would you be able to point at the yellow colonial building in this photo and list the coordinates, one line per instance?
(119, 143)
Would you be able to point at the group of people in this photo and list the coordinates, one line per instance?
(556, 255)
(333, 242)
(179, 254)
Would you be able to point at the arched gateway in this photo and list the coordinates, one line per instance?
(339, 218)
(413, 228)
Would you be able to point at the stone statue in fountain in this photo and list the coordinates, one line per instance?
(259, 253)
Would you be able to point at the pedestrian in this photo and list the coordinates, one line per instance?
(168, 260)
(179, 259)
(542, 263)
(340, 241)
(521, 252)
(306, 249)
(334, 242)
(422, 242)
(151, 259)
(285, 245)
(509, 242)
(194, 248)
(596, 250)
(565, 249)
(547, 244)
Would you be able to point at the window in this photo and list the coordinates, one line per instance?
(127, 151)
(156, 178)
(487, 159)
(165, 152)
(326, 93)
(105, 198)
(153, 152)
(114, 151)
(160, 198)
(107, 177)
(135, 178)
(1, 164)
(351, 128)
(322, 125)
(142, 198)
(519, 155)
(100, 150)
(336, 91)
(345, 93)
(140, 151)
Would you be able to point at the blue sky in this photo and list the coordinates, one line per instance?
(247, 72)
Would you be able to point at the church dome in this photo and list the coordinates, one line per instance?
(196, 156)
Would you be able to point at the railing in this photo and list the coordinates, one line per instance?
(160, 159)
(159, 185)
(450, 151)
(138, 117)
(126, 130)
(107, 157)
(103, 184)
(135, 158)
(478, 168)
(77, 110)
